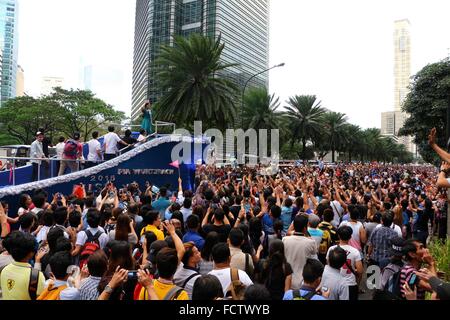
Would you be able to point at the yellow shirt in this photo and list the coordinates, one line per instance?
(15, 279)
(161, 290)
(151, 228)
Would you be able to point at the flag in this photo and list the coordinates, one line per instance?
(175, 164)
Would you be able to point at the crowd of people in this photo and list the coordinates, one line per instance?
(305, 233)
(69, 152)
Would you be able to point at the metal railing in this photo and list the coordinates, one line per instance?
(50, 170)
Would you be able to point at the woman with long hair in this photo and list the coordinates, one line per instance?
(207, 263)
(256, 233)
(275, 273)
(124, 230)
(119, 258)
(147, 118)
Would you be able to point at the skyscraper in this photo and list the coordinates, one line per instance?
(392, 122)
(9, 45)
(20, 82)
(243, 25)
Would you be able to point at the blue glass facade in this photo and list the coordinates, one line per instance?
(9, 46)
(243, 25)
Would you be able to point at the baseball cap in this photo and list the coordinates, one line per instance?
(155, 247)
(396, 248)
(441, 288)
(39, 133)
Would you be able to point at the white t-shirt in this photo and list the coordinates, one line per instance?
(82, 237)
(353, 256)
(338, 212)
(395, 227)
(42, 234)
(94, 147)
(111, 140)
(60, 149)
(224, 276)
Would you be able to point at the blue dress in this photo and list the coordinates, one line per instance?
(147, 122)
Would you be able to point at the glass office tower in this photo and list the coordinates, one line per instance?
(243, 25)
(10, 48)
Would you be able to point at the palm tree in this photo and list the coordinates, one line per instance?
(335, 123)
(193, 89)
(305, 113)
(354, 140)
(260, 110)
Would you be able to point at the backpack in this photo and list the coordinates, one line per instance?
(71, 148)
(173, 293)
(297, 296)
(236, 288)
(328, 239)
(91, 245)
(51, 293)
(32, 284)
(392, 289)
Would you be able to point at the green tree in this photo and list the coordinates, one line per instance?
(427, 104)
(22, 117)
(305, 114)
(334, 123)
(261, 110)
(194, 89)
(354, 140)
(83, 111)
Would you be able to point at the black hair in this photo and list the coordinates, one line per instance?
(288, 202)
(19, 245)
(337, 258)
(257, 292)
(209, 194)
(410, 247)
(192, 222)
(61, 139)
(167, 263)
(75, 219)
(354, 213)
(275, 211)
(27, 220)
(328, 215)
(63, 244)
(236, 237)
(52, 237)
(47, 218)
(39, 200)
(163, 192)
(97, 263)
(111, 128)
(93, 218)
(150, 237)
(301, 223)
(207, 288)
(60, 215)
(388, 219)
(23, 200)
(312, 270)
(89, 202)
(95, 134)
(59, 263)
(152, 216)
(211, 240)
(187, 203)
(219, 215)
(221, 253)
(345, 233)
(128, 133)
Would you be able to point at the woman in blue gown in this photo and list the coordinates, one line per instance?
(147, 121)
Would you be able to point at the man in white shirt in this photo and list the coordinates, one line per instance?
(353, 268)
(95, 151)
(60, 151)
(110, 144)
(37, 152)
(338, 212)
(222, 259)
(394, 227)
(298, 248)
(93, 220)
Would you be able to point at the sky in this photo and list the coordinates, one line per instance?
(342, 51)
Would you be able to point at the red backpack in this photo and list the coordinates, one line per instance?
(91, 245)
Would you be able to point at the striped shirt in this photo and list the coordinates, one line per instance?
(88, 288)
(405, 275)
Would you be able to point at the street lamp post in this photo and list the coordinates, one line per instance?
(245, 87)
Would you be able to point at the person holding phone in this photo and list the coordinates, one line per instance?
(415, 255)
